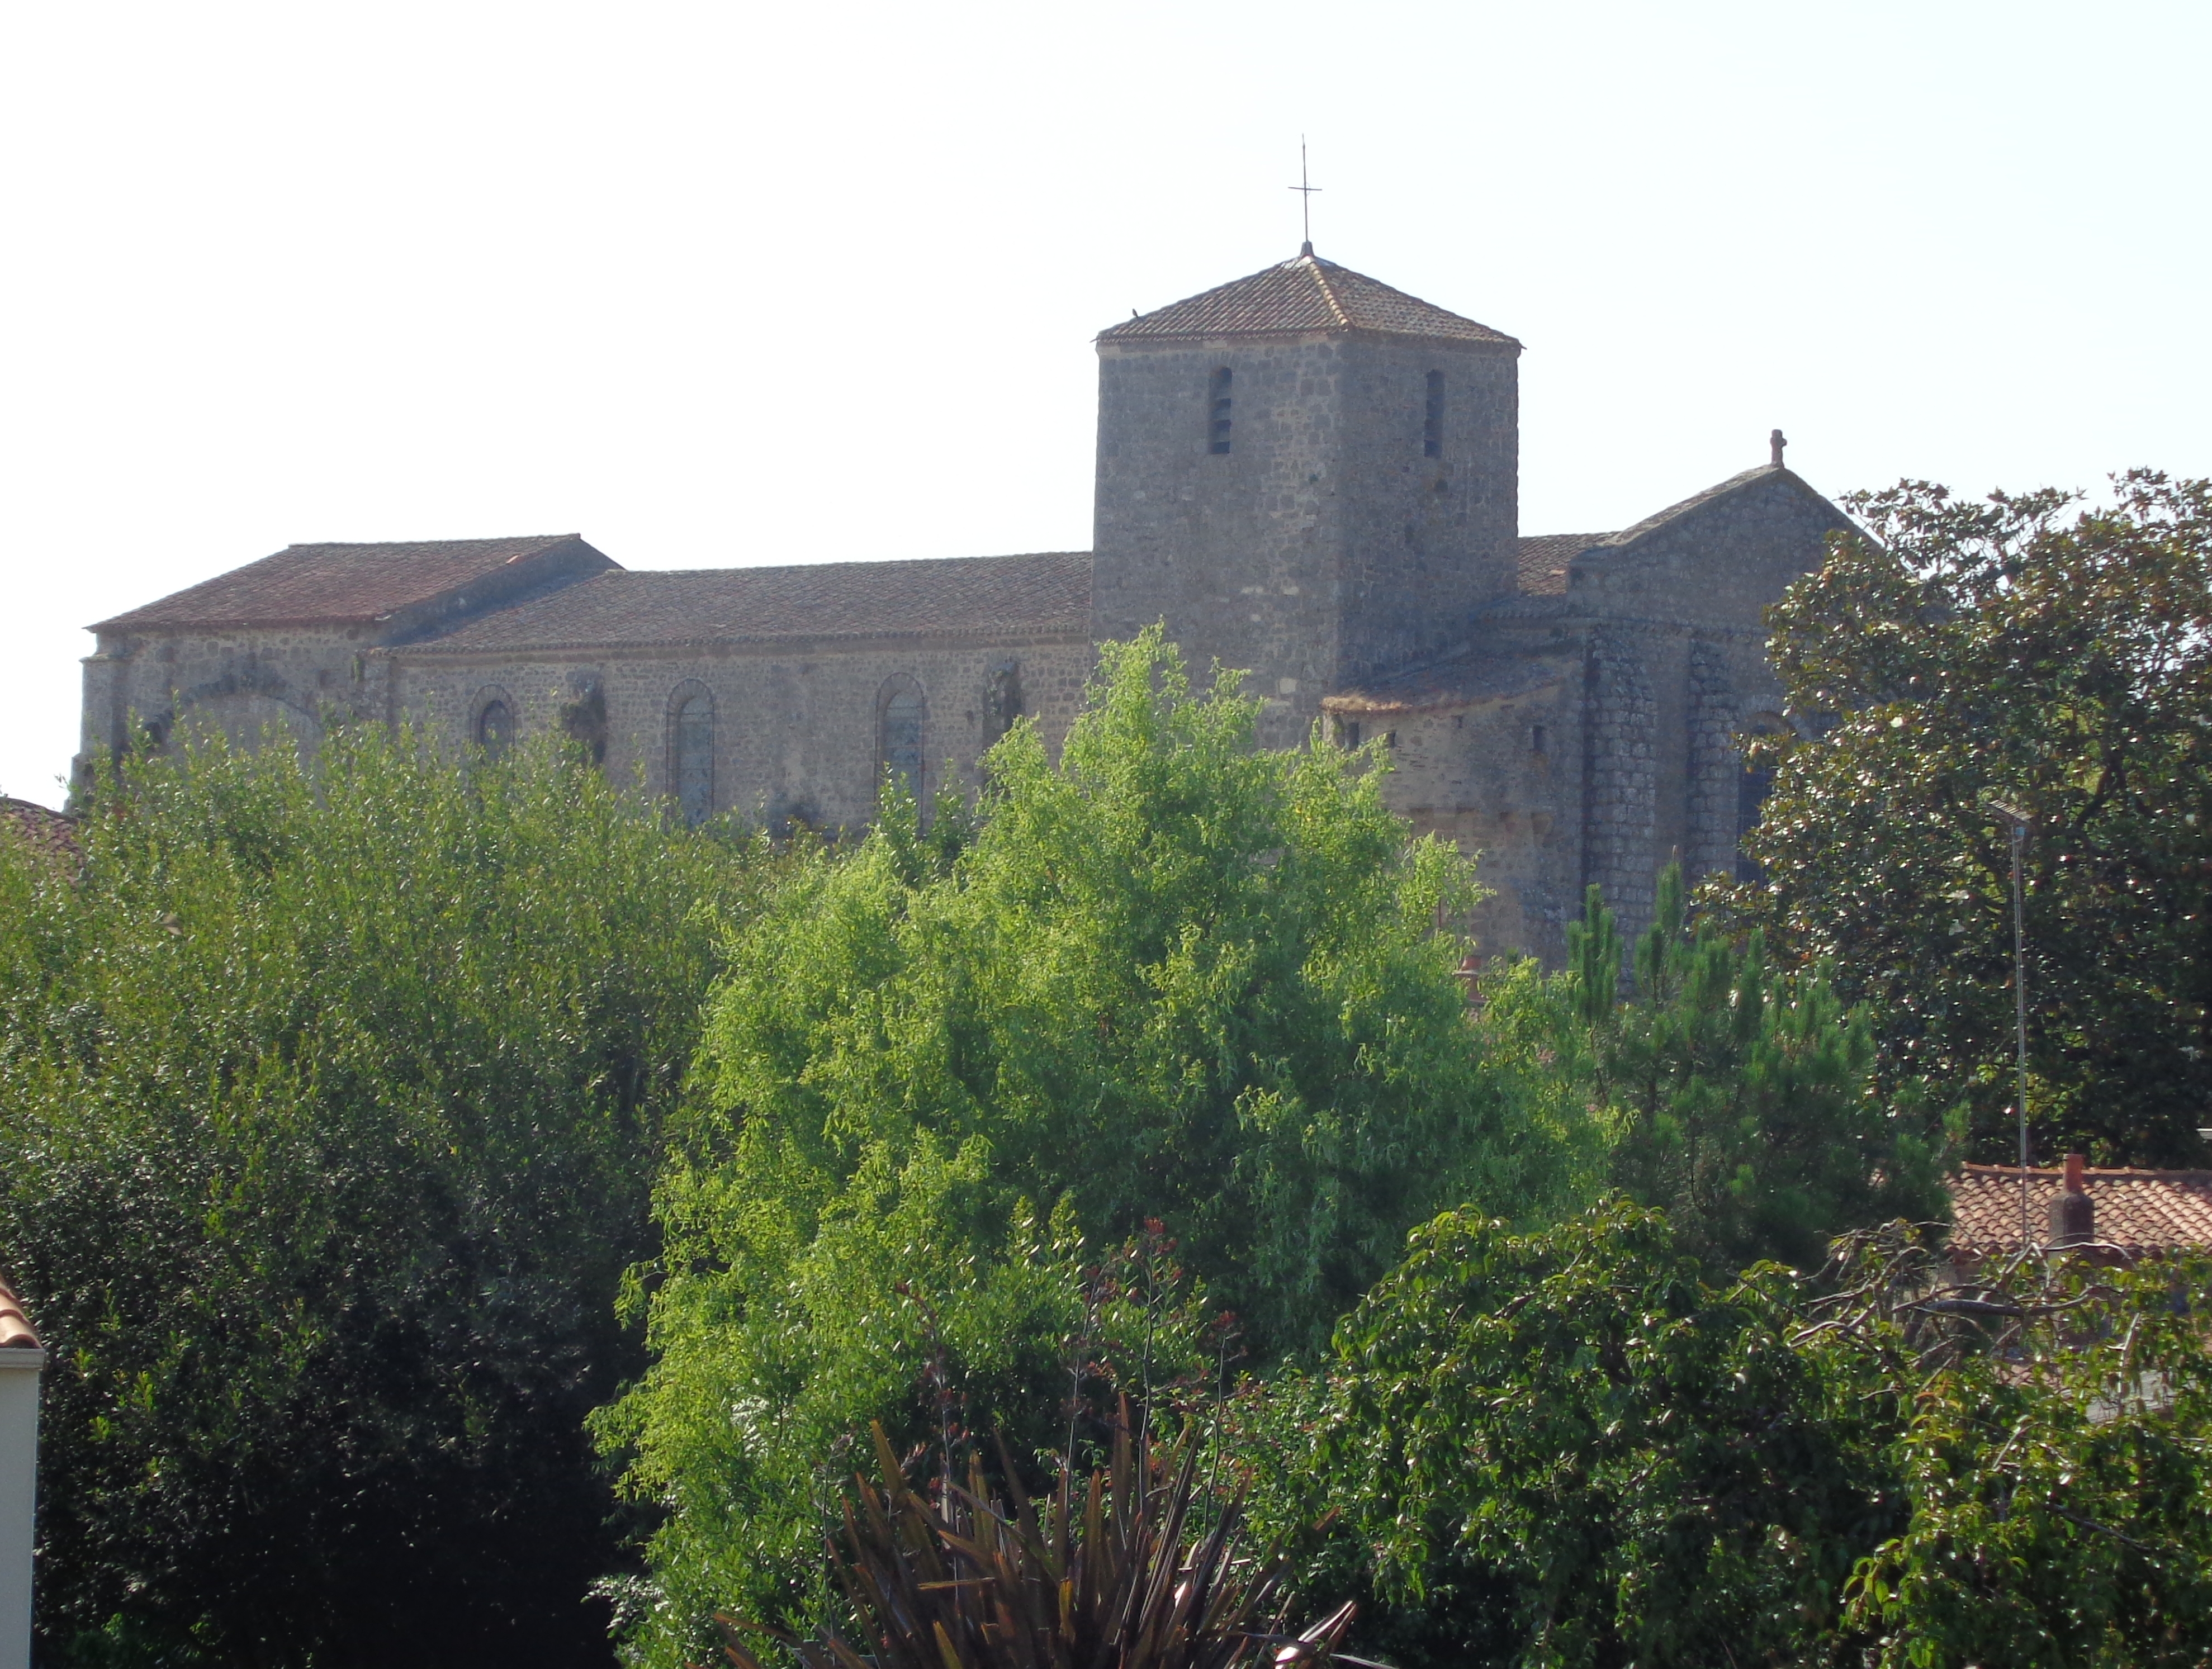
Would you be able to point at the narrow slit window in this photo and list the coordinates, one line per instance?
(1218, 422)
(900, 757)
(694, 759)
(1433, 421)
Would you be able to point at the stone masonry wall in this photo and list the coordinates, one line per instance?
(1502, 781)
(140, 687)
(1319, 547)
(1620, 774)
(796, 730)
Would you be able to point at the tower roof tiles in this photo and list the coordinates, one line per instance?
(1297, 298)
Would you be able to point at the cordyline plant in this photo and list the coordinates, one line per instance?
(1096, 1579)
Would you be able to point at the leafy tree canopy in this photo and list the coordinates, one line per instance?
(330, 1098)
(1965, 654)
(1567, 1448)
(1739, 1097)
(1172, 978)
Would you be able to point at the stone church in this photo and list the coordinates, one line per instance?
(1305, 473)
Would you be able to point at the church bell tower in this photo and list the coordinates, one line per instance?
(1309, 476)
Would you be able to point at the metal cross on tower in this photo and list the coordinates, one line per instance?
(1305, 202)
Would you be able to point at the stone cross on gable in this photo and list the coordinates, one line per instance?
(1775, 444)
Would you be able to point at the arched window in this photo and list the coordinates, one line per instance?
(1432, 423)
(692, 751)
(1753, 784)
(1218, 419)
(494, 727)
(899, 734)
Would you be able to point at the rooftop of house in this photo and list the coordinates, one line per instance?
(42, 830)
(341, 585)
(2143, 1213)
(1047, 593)
(17, 1333)
(1299, 297)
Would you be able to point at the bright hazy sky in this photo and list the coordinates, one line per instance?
(741, 283)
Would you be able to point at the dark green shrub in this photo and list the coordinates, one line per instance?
(331, 1097)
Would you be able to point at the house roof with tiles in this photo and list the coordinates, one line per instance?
(52, 833)
(1299, 297)
(2143, 1213)
(958, 597)
(17, 1333)
(341, 585)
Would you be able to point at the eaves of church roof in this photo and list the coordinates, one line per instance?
(1043, 595)
(1300, 297)
(1467, 682)
(346, 584)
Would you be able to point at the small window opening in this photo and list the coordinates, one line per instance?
(1218, 430)
(1351, 730)
(1432, 423)
(1391, 741)
(1536, 739)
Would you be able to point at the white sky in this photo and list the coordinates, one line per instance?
(724, 284)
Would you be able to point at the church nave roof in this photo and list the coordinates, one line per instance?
(1048, 594)
(341, 585)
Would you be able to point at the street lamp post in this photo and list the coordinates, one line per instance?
(2021, 822)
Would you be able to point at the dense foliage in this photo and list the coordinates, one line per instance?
(1739, 1097)
(1965, 654)
(1568, 1448)
(330, 1098)
(1173, 978)
(1143, 1568)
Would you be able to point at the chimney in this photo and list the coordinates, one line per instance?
(2073, 1217)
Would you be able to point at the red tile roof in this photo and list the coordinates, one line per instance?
(337, 583)
(2143, 1212)
(44, 830)
(1300, 296)
(1544, 559)
(16, 1330)
(955, 596)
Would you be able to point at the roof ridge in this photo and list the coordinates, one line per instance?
(2011, 1173)
(1327, 291)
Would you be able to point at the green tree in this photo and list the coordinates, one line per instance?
(1569, 1448)
(1172, 978)
(1962, 654)
(331, 1098)
(1740, 1099)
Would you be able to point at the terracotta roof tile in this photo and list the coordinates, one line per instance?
(17, 1333)
(44, 830)
(337, 583)
(960, 596)
(2143, 1212)
(1302, 295)
(1544, 559)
